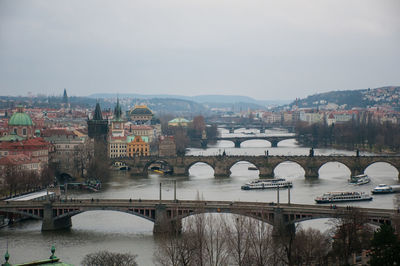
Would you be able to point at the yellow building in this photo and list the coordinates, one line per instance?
(137, 147)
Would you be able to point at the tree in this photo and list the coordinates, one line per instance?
(198, 125)
(238, 240)
(351, 234)
(108, 258)
(385, 247)
(311, 246)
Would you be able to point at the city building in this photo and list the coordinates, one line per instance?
(21, 124)
(70, 147)
(117, 147)
(20, 162)
(138, 147)
(167, 146)
(179, 121)
(36, 148)
(141, 114)
(117, 123)
(98, 130)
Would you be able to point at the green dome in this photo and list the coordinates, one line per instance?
(20, 119)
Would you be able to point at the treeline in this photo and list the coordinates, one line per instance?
(355, 134)
(238, 240)
(184, 135)
(17, 181)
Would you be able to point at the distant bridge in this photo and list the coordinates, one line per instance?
(260, 126)
(167, 214)
(265, 164)
(274, 140)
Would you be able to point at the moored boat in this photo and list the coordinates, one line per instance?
(359, 179)
(330, 197)
(267, 184)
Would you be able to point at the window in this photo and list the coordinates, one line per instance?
(24, 131)
(15, 130)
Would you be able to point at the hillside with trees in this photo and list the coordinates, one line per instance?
(348, 99)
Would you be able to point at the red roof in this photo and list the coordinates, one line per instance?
(17, 159)
(30, 144)
(56, 131)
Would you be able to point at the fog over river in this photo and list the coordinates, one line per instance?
(121, 232)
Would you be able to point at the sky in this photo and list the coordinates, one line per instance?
(264, 49)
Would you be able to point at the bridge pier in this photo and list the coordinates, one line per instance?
(282, 228)
(49, 222)
(274, 143)
(204, 143)
(311, 172)
(356, 171)
(181, 171)
(163, 224)
(237, 143)
(221, 171)
(266, 172)
(136, 171)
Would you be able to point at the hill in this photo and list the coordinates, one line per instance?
(348, 99)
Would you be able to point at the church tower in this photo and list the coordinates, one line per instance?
(117, 124)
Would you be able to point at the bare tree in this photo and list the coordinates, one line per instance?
(238, 240)
(311, 247)
(215, 242)
(351, 233)
(106, 258)
(261, 242)
(175, 250)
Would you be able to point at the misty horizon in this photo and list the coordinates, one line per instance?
(262, 49)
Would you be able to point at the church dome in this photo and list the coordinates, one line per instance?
(20, 118)
(141, 110)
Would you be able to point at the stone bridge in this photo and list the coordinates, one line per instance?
(168, 214)
(274, 140)
(265, 164)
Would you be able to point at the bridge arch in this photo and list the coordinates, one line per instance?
(147, 165)
(150, 217)
(295, 168)
(261, 139)
(341, 167)
(257, 216)
(255, 169)
(199, 161)
(387, 165)
(28, 214)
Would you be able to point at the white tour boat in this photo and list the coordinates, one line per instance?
(330, 197)
(267, 183)
(359, 179)
(382, 189)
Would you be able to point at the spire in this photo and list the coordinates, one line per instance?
(117, 111)
(65, 96)
(97, 113)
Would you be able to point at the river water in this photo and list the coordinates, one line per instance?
(121, 232)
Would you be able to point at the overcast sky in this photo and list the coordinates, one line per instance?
(277, 49)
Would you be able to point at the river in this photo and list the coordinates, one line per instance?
(121, 232)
